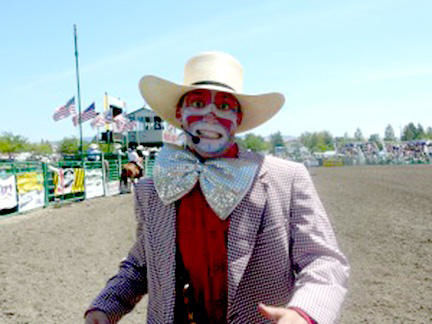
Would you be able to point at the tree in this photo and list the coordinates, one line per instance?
(10, 143)
(358, 135)
(308, 141)
(375, 138)
(276, 140)
(420, 132)
(429, 132)
(43, 148)
(326, 140)
(409, 132)
(68, 145)
(107, 148)
(347, 138)
(389, 134)
(317, 142)
(240, 141)
(255, 143)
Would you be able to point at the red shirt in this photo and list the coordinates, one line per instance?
(201, 238)
(202, 242)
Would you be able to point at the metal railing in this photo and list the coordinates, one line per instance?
(33, 184)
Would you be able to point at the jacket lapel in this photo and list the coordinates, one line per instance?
(245, 221)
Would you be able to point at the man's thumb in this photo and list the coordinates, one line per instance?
(270, 312)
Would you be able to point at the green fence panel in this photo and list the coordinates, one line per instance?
(7, 168)
(150, 161)
(64, 181)
(19, 169)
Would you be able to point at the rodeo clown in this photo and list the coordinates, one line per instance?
(224, 235)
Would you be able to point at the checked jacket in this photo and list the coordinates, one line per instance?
(282, 251)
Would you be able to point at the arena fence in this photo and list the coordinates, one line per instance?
(29, 185)
(346, 161)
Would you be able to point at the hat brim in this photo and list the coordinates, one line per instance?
(163, 95)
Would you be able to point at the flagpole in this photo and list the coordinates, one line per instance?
(78, 91)
(108, 127)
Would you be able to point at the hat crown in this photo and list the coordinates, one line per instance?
(214, 69)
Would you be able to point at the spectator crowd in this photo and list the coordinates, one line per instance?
(364, 153)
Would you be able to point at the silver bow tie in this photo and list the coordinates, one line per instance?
(224, 181)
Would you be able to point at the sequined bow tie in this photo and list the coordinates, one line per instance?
(223, 181)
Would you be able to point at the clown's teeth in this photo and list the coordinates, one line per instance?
(209, 134)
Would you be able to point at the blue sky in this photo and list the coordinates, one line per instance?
(340, 64)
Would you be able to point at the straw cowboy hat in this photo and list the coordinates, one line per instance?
(214, 71)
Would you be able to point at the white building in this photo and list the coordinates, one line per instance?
(149, 128)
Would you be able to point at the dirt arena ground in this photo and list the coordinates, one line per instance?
(54, 261)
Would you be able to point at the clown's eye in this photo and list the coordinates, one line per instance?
(224, 106)
(197, 104)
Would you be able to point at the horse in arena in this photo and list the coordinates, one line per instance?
(130, 171)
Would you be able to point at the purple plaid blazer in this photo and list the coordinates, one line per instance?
(281, 251)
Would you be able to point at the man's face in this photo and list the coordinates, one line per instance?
(212, 116)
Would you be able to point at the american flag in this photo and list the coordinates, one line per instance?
(65, 110)
(120, 123)
(87, 114)
(98, 121)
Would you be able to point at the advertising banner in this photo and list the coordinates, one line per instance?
(31, 192)
(94, 183)
(112, 188)
(68, 180)
(8, 196)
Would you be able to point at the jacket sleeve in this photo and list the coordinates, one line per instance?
(123, 291)
(321, 270)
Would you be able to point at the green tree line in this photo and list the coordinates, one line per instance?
(12, 144)
(315, 141)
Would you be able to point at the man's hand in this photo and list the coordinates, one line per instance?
(96, 317)
(281, 315)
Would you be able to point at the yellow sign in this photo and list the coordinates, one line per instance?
(332, 163)
(78, 184)
(29, 181)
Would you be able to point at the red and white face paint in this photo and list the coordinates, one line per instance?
(212, 116)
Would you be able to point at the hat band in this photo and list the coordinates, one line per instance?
(214, 83)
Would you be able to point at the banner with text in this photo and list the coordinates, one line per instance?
(112, 188)
(94, 183)
(8, 196)
(31, 192)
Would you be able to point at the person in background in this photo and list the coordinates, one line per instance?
(93, 152)
(224, 235)
(118, 149)
(141, 154)
(134, 157)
